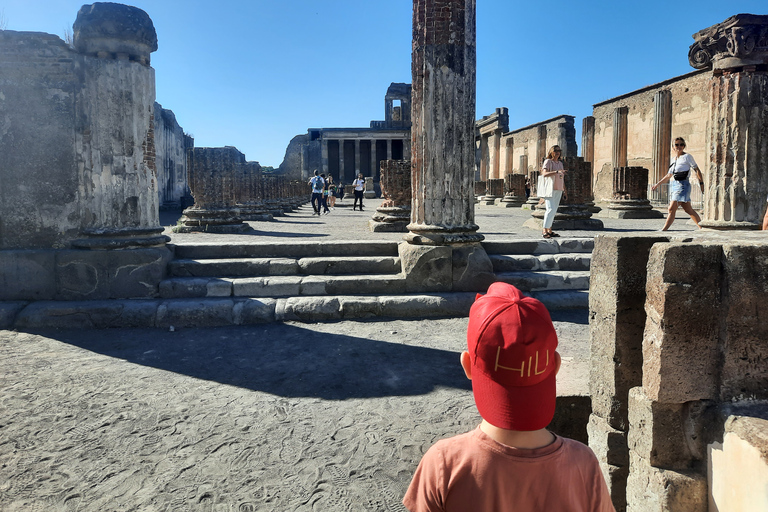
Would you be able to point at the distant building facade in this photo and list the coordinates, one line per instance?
(345, 152)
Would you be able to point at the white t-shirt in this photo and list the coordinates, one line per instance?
(359, 184)
(682, 164)
(318, 184)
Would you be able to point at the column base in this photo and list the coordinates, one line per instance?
(729, 226)
(435, 235)
(631, 209)
(224, 221)
(121, 238)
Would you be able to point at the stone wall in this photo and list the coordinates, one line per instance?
(528, 146)
(673, 353)
(685, 109)
(171, 145)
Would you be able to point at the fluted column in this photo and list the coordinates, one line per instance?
(620, 137)
(323, 156)
(443, 117)
(494, 148)
(389, 149)
(357, 157)
(374, 163)
(588, 139)
(341, 159)
(662, 133)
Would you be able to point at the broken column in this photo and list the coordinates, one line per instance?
(394, 213)
(250, 200)
(533, 199)
(443, 250)
(630, 195)
(736, 183)
(494, 190)
(574, 211)
(214, 174)
(514, 186)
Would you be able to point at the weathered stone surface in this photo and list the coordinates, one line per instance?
(745, 344)
(650, 488)
(253, 311)
(617, 322)
(8, 312)
(680, 345)
(111, 29)
(427, 268)
(616, 478)
(609, 444)
(87, 314)
(738, 41)
(195, 313)
(472, 269)
(571, 417)
(27, 275)
(308, 309)
(657, 432)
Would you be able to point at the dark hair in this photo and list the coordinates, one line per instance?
(680, 139)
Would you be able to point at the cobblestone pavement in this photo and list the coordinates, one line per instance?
(290, 416)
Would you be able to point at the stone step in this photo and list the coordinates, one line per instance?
(560, 261)
(542, 246)
(281, 286)
(548, 280)
(251, 267)
(221, 311)
(288, 249)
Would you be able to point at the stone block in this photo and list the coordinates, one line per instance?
(88, 314)
(307, 309)
(680, 347)
(427, 268)
(279, 286)
(186, 287)
(195, 313)
(218, 288)
(9, 310)
(616, 479)
(472, 269)
(571, 417)
(745, 341)
(254, 311)
(609, 444)
(666, 490)
(658, 432)
(617, 321)
(27, 275)
(360, 307)
(414, 306)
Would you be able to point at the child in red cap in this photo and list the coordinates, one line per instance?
(510, 462)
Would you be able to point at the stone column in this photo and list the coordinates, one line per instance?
(484, 157)
(443, 152)
(494, 150)
(341, 159)
(494, 189)
(394, 214)
(630, 195)
(324, 158)
(620, 137)
(514, 186)
(662, 133)
(533, 199)
(374, 162)
(389, 149)
(588, 139)
(541, 147)
(214, 174)
(357, 158)
(574, 211)
(509, 156)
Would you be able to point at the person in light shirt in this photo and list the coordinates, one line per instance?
(680, 186)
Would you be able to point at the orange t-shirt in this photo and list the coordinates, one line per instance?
(473, 473)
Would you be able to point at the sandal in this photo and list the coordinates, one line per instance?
(547, 235)
(553, 234)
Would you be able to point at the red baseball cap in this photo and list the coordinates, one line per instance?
(511, 342)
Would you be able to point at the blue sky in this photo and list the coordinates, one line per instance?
(253, 74)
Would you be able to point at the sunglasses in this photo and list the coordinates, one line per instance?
(679, 145)
(558, 150)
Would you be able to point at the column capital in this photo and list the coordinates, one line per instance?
(741, 40)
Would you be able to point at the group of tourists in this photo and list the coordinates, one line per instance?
(325, 192)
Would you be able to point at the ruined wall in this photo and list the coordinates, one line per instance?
(689, 119)
(295, 155)
(170, 158)
(528, 145)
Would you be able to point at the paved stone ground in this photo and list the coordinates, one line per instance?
(276, 417)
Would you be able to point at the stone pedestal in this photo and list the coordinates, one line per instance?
(630, 195)
(394, 213)
(250, 193)
(573, 212)
(369, 192)
(533, 199)
(495, 191)
(214, 174)
(514, 186)
(480, 188)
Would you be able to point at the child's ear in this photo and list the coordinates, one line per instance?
(466, 363)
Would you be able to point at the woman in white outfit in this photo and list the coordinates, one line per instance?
(680, 186)
(553, 168)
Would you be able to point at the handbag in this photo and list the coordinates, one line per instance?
(681, 175)
(544, 186)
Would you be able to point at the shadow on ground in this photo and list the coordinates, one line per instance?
(284, 360)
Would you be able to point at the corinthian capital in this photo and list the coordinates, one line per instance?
(741, 40)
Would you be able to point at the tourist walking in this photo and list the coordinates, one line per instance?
(317, 183)
(359, 185)
(340, 190)
(680, 186)
(332, 191)
(324, 199)
(552, 169)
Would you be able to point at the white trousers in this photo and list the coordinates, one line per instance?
(552, 204)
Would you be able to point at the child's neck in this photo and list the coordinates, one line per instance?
(518, 438)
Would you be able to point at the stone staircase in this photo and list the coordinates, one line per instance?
(211, 284)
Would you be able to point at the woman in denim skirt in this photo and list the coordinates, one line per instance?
(680, 185)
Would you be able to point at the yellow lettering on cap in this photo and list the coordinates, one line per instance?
(521, 369)
(536, 371)
(535, 367)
